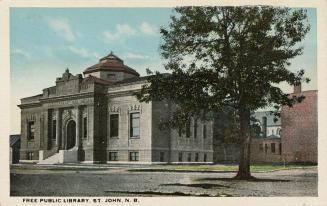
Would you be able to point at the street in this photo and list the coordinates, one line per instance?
(128, 181)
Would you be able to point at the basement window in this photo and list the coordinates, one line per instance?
(134, 156)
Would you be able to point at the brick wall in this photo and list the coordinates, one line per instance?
(300, 130)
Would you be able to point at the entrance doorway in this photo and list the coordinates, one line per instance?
(71, 134)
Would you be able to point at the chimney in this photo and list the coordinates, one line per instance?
(297, 87)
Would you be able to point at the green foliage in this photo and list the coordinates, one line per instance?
(227, 57)
(231, 128)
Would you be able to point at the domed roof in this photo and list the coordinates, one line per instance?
(111, 63)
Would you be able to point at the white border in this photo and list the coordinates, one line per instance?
(321, 6)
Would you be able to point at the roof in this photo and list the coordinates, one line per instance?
(270, 118)
(132, 80)
(111, 63)
(138, 79)
(273, 137)
(93, 79)
(14, 139)
(32, 97)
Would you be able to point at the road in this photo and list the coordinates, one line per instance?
(120, 181)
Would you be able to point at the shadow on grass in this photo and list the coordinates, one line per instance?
(155, 193)
(203, 185)
(248, 180)
(168, 170)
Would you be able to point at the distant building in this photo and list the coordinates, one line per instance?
(269, 127)
(268, 147)
(97, 118)
(265, 147)
(14, 141)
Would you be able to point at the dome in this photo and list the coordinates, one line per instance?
(111, 63)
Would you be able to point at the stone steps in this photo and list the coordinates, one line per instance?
(64, 156)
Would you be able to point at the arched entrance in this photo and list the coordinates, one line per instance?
(71, 134)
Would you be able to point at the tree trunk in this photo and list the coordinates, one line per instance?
(244, 162)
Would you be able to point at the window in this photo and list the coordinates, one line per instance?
(204, 157)
(162, 156)
(264, 126)
(261, 147)
(135, 124)
(30, 155)
(272, 147)
(113, 156)
(179, 131)
(189, 157)
(204, 131)
(266, 148)
(54, 129)
(111, 76)
(188, 128)
(180, 157)
(280, 148)
(195, 129)
(85, 127)
(114, 125)
(31, 130)
(196, 157)
(134, 156)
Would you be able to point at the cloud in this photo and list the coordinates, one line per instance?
(136, 56)
(147, 28)
(83, 52)
(62, 29)
(109, 36)
(121, 31)
(125, 30)
(22, 53)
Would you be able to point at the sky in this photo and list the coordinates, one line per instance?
(46, 41)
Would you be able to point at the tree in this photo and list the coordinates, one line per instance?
(228, 57)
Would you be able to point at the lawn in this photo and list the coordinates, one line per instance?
(222, 167)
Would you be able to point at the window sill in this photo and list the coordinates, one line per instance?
(134, 137)
(114, 137)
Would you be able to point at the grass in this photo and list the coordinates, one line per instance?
(266, 167)
(221, 168)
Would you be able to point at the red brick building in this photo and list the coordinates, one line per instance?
(298, 140)
(300, 129)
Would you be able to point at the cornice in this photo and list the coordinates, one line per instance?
(67, 97)
(30, 105)
(56, 98)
